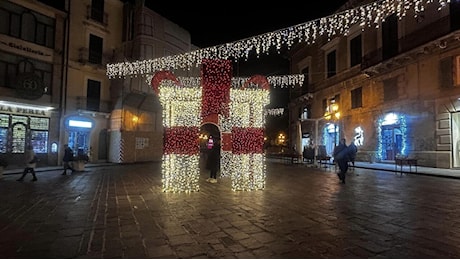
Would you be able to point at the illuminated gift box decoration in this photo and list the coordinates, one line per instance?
(239, 114)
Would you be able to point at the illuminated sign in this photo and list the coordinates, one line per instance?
(78, 123)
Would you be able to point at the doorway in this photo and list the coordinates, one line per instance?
(209, 133)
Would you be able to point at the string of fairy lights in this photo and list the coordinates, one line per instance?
(282, 81)
(372, 14)
(240, 109)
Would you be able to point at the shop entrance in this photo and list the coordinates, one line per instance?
(79, 142)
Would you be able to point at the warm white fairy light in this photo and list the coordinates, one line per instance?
(247, 107)
(180, 173)
(372, 14)
(182, 106)
(249, 172)
(282, 81)
(274, 111)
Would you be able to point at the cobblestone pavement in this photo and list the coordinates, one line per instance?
(121, 212)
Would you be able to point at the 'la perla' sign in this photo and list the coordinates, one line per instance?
(22, 110)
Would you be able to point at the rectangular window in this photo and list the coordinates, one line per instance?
(331, 64)
(445, 73)
(457, 71)
(95, 49)
(3, 139)
(4, 123)
(324, 105)
(357, 97)
(355, 51)
(39, 141)
(9, 64)
(147, 26)
(19, 128)
(305, 85)
(97, 10)
(147, 51)
(93, 95)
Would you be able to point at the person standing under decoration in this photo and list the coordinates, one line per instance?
(68, 157)
(213, 162)
(210, 143)
(31, 163)
(341, 157)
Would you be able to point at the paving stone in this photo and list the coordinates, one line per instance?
(302, 213)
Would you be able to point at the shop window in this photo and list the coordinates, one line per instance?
(39, 134)
(3, 139)
(19, 138)
(4, 123)
(39, 141)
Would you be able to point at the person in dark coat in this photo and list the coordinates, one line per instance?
(68, 157)
(341, 157)
(213, 162)
(353, 150)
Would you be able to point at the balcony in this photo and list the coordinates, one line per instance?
(95, 58)
(94, 105)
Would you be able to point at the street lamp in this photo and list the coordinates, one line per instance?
(333, 113)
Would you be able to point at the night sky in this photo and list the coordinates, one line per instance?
(223, 22)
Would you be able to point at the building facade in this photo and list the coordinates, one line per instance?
(392, 88)
(54, 87)
(32, 57)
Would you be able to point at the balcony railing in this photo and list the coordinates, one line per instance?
(89, 104)
(95, 58)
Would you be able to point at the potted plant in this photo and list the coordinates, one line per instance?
(80, 160)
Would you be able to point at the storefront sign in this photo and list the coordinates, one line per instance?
(22, 110)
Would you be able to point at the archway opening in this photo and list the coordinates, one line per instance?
(209, 133)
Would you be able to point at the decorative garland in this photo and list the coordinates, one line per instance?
(372, 14)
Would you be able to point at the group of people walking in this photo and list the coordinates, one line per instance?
(344, 154)
(31, 161)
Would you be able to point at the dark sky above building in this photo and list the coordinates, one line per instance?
(227, 21)
(223, 22)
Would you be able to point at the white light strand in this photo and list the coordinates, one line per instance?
(330, 26)
(283, 81)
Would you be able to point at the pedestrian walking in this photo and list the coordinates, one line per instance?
(341, 157)
(352, 151)
(31, 162)
(67, 159)
(213, 162)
